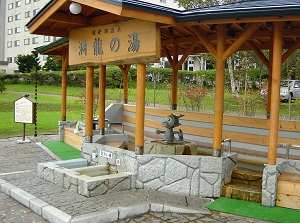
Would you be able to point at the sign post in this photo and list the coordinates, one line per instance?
(25, 112)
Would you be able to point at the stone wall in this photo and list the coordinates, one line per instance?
(62, 125)
(270, 178)
(180, 174)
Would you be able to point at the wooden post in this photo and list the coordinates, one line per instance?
(275, 93)
(65, 64)
(89, 91)
(140, 109)
(174, 78)
(125, 70)
(219, 91)
(174, 88)
(102, 86)
(270, 69)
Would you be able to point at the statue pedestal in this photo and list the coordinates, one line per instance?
(156, 147)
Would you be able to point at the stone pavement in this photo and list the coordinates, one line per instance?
(18, 179)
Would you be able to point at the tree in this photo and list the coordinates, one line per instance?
(26, 63)
(53, 63)
(189, 4)
(2, 87)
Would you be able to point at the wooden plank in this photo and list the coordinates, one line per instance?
(117, 144)
(288, 187)
(294, 141)
(205, 132)
(285, 200)
(293, 177)
(72, 139)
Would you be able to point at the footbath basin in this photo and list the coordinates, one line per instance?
(89, 181)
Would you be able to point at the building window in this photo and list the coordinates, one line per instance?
(9, 59)
(15, 59)
(9, 44)
(46, 39)
(18, 16)
(10, 6)
(17, 43)
(27, 14)
(9, 31)
(45, 57)
(27, 41)
(36, 0)
(163, 1)
(25, 29)
(35, 40)
(17, 30)
(27, 2)
(18, 4)
(10, 18)
(35, 12)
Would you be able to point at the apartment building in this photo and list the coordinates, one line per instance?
(14, 36)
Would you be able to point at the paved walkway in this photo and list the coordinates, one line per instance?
(18, 179)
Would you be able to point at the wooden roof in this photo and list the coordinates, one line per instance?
(192, 31)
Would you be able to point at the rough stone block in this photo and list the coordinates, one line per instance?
(179, 187)
(36, 205)
(52, 214)
(156, 207)
(49, 174)
(6, 188)
(132, 210)
(211, 164)
(180, 209)
(174, 171)
(153, 169)
(21, 196)
(109, 215)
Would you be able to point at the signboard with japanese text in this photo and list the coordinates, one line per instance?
(25, 110)
(133, 41)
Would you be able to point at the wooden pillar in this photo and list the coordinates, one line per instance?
(174, 89)
(174, 78)
(125, 70)
(102, 86)
(275, 93)
(140, 109)
(89, 91)
(65, 64)
(219, 91)
(270, 78)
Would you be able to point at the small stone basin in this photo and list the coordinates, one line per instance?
(89, 181)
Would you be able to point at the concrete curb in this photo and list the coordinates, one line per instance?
(54, 215)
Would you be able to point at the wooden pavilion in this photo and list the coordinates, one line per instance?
(272, 25)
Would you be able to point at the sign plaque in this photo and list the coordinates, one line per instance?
(132, 41)
(25, 110)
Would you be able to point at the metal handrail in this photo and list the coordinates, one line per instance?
(288, 147)
(229, 144)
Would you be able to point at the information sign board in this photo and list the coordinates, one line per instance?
(25, 110)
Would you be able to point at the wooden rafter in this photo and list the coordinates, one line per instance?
(185, 55)
(205, 42)
(260, 55)
(235, 46)
(70, 19)
(291, 50)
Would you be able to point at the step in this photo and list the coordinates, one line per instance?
(244, 185)
(247, 177)
(242, 192)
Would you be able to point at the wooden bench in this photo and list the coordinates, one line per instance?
(288, 190)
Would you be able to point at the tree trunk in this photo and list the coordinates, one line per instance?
(232, 84)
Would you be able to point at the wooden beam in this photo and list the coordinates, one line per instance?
(140, 109)
(258, 53)
(238, 42)
(168, 55)
(45, 15)
(70, 19)
(242, 20)
(89, 104)
(219, 91)
(275, 95)
(106, 19)
(185, 55)
(52, 32)
(137, 14)
(102, 5)
(102, 88)
(291, 50)
(208, 45)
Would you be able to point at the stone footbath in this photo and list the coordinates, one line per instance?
(76, 175)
